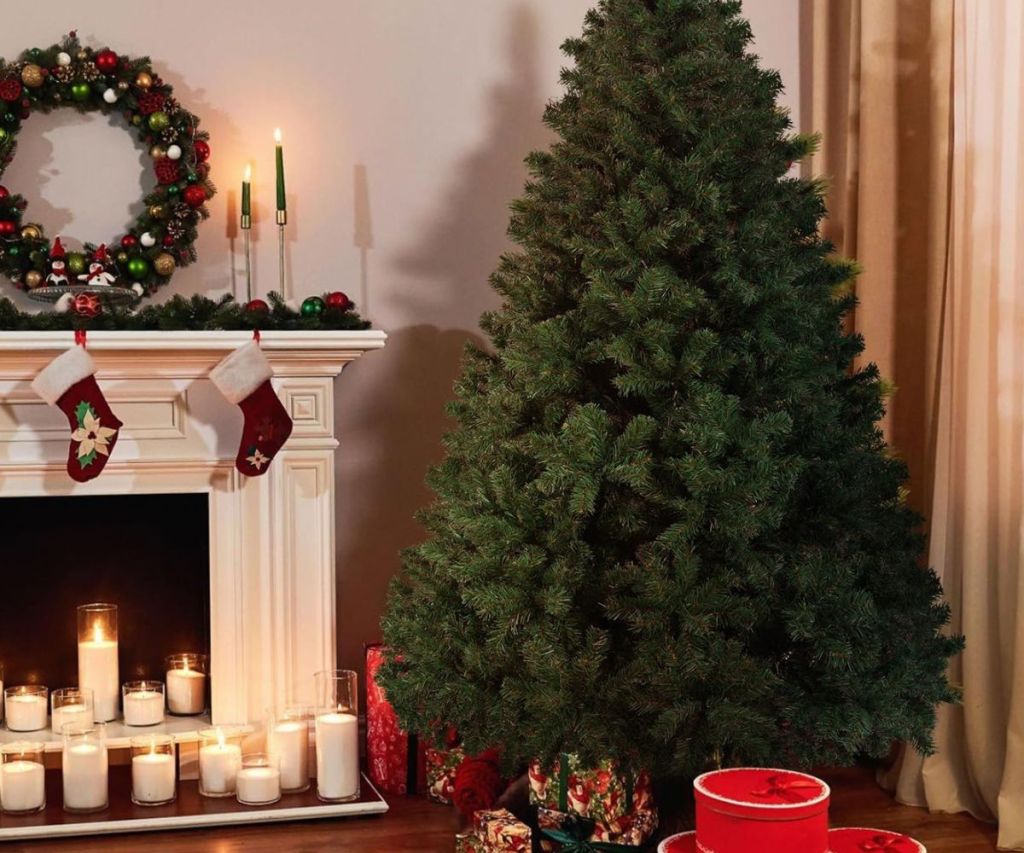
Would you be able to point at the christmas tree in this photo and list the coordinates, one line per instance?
(667, 528)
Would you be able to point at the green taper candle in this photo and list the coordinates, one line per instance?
(281, 205)
(247, 192)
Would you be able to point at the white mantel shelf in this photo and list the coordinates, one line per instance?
(226, 341)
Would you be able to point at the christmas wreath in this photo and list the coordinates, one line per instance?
(162, 238)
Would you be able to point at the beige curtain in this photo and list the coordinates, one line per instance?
(921, 103)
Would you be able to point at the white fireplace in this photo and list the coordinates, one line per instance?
(271, 538)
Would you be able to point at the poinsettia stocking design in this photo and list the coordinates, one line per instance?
(69, 383)
(244, 379)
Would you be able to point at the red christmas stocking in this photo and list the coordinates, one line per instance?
(68, 382)
(244, 379)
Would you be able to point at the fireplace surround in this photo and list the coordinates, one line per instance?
(271, 539)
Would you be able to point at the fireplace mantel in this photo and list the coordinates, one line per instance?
(272, 587)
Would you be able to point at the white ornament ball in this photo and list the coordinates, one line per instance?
(147, 240)
(63, 305)
(138, 289)
(110, 96)
(63, 59)
(174, 152)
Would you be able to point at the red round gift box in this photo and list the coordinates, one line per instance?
(685, 842)
(863, 840)
(759, 808)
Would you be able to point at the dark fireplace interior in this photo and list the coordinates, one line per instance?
(148, 554)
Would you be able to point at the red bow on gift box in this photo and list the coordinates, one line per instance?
(789, 790)
(882, 842)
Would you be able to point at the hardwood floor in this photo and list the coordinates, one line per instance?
(413, 824)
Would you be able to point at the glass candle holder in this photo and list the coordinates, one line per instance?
(70, 705)
(154, 776)
(26, 707)
(1, 692)
(288, 739)
(97, 658)
(220, 759)
(143, 703)
(22, 778)
(337, 736)
(187, 675)
(84, 768)
(259, 780)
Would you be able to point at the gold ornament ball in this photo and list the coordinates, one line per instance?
(144, 80)
(164, 264)
(33, 278)
(157, 152)
(31, 232)
(122, 257)
(82, 55)
(157, 211)
(123, 86)
(32, 76)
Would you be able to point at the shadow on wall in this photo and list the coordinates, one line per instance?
(407, 386)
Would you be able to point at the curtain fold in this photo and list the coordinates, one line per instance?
(921, 105)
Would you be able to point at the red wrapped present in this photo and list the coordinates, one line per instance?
(502, 832)
(396, 761)
(861, 840)
(441, 767)
(685, 842)
(772, 811)
(594, 805)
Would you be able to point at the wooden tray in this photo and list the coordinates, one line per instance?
(189, 811)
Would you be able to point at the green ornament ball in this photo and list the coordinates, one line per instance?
(159, 121)
(14, 250)
(173, 189)
(3, 135)
(138, 267)
(80, 91)
(76, 263)
(313, 306)
(36, 257)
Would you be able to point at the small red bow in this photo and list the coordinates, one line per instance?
(788, 789)
(882, 842)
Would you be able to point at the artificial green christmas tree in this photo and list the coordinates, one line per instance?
(668, 529)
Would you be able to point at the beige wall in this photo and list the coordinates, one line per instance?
(405, 125)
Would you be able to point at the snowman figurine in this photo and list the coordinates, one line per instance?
(58, 276)
(97, 276)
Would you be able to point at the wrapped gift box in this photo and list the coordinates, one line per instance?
(602, 794)
(627, 833)
(861, 840)
(396, 761)
(441, 767)
(771, 811)
(495, 831)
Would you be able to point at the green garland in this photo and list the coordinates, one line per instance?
(163, 236)
(197, 314)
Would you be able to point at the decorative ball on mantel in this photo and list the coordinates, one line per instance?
(31, 232)
(257, 306)
(80, 92)
(163, 264)
(338, 300)
(143, 80)
(194, 195)
(76, 263)
(202, 149)
(33, 278)
(106, 61)
(312, 306)
(32, 76)
(138, 267)
(7, 228)
(4, 193)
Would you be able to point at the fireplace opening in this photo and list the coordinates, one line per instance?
(148, 554)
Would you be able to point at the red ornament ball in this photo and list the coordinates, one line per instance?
(87, 305)
(106, 61)
(167, 170)
(338, 300)
(194, 195)
(10, 90)
(129, 241)
(4, 193)
(168, 240)
(257, 306)
(202, 149)
(7, 227)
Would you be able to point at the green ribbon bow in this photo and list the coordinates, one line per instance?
(574, 836)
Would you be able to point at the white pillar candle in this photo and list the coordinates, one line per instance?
(337, 756)
(22, 786)
(143, 708)
(218, 768)
(259, 785)
(85, 777)
(186, 691)
(290, 743)
(97, 670)
(153, 777)
(26, 712)
(70, 714)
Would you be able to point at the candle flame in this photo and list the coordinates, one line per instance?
(248, 173)
(277, 135)
(220, 738)
(97, 632)
(152, 745)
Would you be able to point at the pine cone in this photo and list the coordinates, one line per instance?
(167, 170)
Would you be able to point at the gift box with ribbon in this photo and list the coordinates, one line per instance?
(396, 761)
(771, 811)
(600, 805)
(861, 840)
(495, 831)
(441, 767)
